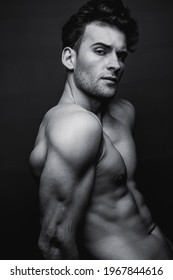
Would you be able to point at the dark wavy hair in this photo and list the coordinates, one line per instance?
(111, 12)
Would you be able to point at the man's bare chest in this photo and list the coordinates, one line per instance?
(121, 138)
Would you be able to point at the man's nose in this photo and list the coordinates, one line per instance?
(113, 64)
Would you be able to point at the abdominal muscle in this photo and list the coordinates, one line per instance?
(114, 227)
(121, 230)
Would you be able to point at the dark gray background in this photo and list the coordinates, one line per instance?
(31, 81)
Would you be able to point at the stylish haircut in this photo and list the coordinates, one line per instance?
(107, 12)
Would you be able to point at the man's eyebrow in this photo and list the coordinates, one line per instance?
(101, 44)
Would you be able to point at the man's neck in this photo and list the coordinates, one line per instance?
(73, 95)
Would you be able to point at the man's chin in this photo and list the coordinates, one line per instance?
(108, 95)
(105, 95)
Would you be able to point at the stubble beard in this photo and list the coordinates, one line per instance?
(91, 87)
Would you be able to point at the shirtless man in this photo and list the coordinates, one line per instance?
(84, 156)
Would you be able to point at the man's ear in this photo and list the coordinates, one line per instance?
(69, 58)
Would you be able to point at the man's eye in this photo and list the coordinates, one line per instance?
(122, 57)
(100, 51)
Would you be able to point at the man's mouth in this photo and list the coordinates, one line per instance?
(111, 79)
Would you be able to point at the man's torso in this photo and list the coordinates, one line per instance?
(117, 222)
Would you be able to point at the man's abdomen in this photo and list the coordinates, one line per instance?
(116, 235)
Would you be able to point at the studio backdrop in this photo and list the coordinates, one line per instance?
(31, 82)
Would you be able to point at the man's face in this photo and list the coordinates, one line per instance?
(100, 60)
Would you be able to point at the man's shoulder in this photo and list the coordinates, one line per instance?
(71, 118)
(73, 130)
(124, 111)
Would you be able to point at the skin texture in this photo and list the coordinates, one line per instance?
(84, 161)
(89, 72)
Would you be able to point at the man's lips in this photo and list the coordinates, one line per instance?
(110, 78)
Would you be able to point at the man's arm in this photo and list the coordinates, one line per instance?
(66, 182)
